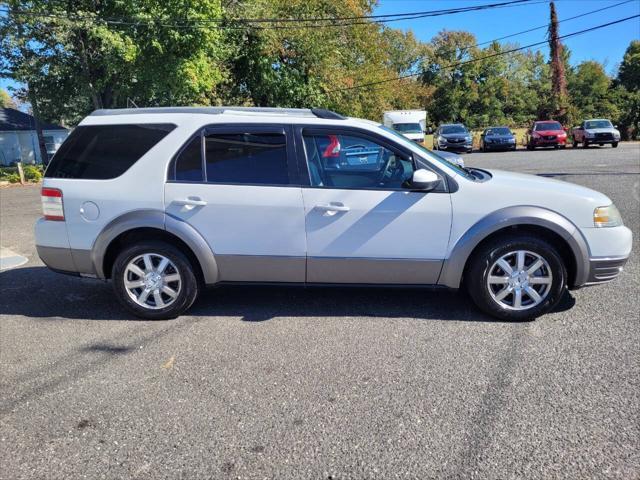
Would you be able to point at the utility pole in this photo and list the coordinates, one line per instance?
(558, 78)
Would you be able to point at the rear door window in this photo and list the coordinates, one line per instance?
(246, 158)
(102, 152)
(188, 164)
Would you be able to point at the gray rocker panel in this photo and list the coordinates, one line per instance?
(401, 271)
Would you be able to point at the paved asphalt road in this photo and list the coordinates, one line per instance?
(322, 383)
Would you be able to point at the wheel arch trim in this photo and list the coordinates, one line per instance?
(157, 219)
(524, 215)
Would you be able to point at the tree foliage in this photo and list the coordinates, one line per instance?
(6, 101)
(72, 61)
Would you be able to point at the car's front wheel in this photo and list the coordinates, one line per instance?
(614, 144)
(517, 278)
(154, 280)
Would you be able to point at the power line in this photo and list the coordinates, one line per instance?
(533, 29)
(547, 25)
(241, 23)
(497, 54)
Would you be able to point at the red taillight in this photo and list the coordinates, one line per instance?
(52, 204)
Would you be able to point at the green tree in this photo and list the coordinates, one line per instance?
(6, 101)
(73, 62)
(589, 88)
(629, 72)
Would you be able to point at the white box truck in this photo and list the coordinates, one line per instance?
(410, 123)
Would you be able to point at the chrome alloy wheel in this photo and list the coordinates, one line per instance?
(519, 280)
(152, 281)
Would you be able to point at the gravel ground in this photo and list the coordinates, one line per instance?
(322, 383)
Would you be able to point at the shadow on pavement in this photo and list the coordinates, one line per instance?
(40, 293)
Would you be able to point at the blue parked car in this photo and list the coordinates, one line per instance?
(497, 138)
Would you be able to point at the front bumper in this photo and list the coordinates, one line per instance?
(456, 147)
(609, 251)
(602, 270)
(546, 142)
(499, 146)
(602, 140)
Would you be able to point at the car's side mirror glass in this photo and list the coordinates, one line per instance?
(424, 180)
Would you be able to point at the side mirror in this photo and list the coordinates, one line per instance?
(424, 180)
(615, 126)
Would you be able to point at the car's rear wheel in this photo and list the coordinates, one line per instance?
(154, 280)
(516, 279)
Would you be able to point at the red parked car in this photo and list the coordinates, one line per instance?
(546, 133)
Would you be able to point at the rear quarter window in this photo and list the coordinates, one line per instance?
(102, 152)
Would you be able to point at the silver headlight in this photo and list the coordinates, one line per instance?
(608, 216)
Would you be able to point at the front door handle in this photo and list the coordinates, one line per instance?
(191, 202)
(333, 207)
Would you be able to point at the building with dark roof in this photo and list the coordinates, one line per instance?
(19, 141)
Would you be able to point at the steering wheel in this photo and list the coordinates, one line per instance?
(386, 173)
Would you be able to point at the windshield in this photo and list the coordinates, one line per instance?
(598, 124)
(407, 127)
(428, 153)
(497, 131)
(547, 126)
(453, 129)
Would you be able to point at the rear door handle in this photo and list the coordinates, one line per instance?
(333, 207)
(191, 202)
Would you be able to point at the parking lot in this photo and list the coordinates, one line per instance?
(323, 383)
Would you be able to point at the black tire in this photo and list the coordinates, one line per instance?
(484, 257)
(574, 144)
(601, 144)
(530, 147)
(189, 288)
(614, 144)
(556, 146)
(585, 143)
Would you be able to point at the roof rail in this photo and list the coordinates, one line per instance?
(323, 113)
(298, 112)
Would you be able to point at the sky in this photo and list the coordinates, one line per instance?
(606, 45)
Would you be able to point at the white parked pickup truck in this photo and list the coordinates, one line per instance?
(597, 131)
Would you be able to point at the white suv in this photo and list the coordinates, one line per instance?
(164, 201)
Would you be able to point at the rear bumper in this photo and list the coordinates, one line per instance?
(52, 245)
